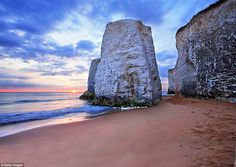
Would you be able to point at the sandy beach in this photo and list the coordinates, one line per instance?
(176, 132)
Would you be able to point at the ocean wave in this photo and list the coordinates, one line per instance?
(33, 101)
(13, 118)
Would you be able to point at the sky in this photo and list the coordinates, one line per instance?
(48, 45)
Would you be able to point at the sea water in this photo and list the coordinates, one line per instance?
(24, 111)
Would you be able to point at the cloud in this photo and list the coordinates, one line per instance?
(16, 84)
(64, 51)
(55, 73)
(63, 71)
(51, 69)
(32, 19)
(151, 11)
(163, 70)
(58, 64)
(165, 55)
(85, 45)
(194, 8)
(11, 76)
(166, 60)
(34, 16)
(55, 66)
(35, 48)
(9, 39)
(81, 68)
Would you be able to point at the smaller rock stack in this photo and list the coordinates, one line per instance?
(89, 94)
(171, 81)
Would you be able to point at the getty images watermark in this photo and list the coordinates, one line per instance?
(11, 164)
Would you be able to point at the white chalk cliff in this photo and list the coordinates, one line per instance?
(127, 73)
(206, 65)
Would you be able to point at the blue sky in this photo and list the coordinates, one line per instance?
(49, 44)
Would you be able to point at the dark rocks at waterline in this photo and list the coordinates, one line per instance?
(87, 95)
(121, 102)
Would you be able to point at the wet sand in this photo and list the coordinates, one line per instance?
(176, 132)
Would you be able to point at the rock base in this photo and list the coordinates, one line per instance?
(121, 102)
(87, 95)
(170, 92)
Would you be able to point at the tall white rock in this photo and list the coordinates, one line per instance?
(127, 73)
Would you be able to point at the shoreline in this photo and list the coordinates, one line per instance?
(66, 120)
(176, 132)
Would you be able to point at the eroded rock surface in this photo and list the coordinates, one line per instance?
(206, 65)
(89, 94)
(127, 73)
(171, 82)
(92, 73)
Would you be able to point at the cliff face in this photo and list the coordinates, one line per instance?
(206, 64)
(171, 81)
(127, 72)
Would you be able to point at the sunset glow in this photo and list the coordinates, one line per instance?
(74, 91)
(81, 89)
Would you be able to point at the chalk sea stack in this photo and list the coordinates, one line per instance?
(171, 82)
(127, 73)
(89, 94)
(206, 65)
